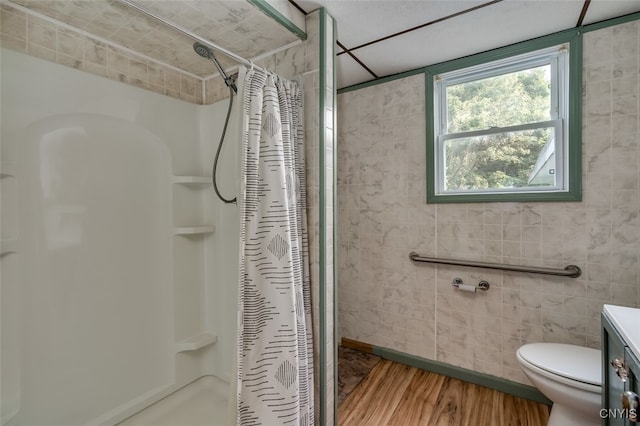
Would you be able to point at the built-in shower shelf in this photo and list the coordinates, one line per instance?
(192, 180)
(196, 342)
(194, 230)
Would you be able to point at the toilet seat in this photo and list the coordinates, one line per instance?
(570, 362)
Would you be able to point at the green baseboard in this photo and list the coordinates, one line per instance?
(486, 380)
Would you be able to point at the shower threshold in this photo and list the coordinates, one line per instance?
(200, 403)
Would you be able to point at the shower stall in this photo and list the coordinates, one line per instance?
(116, 292)
(119, 264)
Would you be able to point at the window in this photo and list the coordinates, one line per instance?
(505, 125)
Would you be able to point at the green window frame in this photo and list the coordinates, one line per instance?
(566, 125)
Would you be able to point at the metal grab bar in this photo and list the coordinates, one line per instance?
(571, 271)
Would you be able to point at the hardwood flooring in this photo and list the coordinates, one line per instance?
(396, 394)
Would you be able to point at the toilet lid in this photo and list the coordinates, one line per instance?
(569, 361)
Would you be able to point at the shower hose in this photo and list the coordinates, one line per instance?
(215, 162)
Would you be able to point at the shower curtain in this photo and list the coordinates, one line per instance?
(275, 349)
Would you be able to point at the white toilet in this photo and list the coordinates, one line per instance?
(568, 375)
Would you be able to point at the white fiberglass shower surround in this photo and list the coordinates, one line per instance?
(118, 284)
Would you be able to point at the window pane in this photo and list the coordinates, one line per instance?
(500, 161)
(505, 100)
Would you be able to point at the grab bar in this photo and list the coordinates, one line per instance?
(571, 271)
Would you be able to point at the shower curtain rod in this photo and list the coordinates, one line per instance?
(191, 35)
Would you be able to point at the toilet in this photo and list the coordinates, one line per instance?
(570, 376)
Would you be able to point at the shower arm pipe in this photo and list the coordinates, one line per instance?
(571, 271)
(190, 34)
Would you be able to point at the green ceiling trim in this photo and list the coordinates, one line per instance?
(380, 80)
(279, 17)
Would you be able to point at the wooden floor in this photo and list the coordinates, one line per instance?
(396, 394)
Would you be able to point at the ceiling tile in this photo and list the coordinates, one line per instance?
(349, 72)
(600, 10)
(362, 21)
(488, 28)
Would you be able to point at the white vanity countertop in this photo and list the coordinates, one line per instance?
(627, 322)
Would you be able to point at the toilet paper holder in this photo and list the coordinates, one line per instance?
(460, 285)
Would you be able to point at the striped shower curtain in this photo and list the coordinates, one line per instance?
(275, 349)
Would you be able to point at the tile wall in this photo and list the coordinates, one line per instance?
(58, 42)
(55, 41)
(238, 25)
(328, 155)
(386, 300)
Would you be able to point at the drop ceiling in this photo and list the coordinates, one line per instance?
(381, 38)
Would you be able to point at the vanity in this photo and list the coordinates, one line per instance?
(621, 366)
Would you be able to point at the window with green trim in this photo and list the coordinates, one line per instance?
(505, 125)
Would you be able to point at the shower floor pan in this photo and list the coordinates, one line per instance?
(200, 403)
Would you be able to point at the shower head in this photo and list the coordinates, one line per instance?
(207, 53)
(202, 50)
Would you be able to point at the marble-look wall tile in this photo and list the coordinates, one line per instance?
(289, 63)
(215, 90)
(383, 216)
(245, 28)
(13, 28)
(60, 43)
